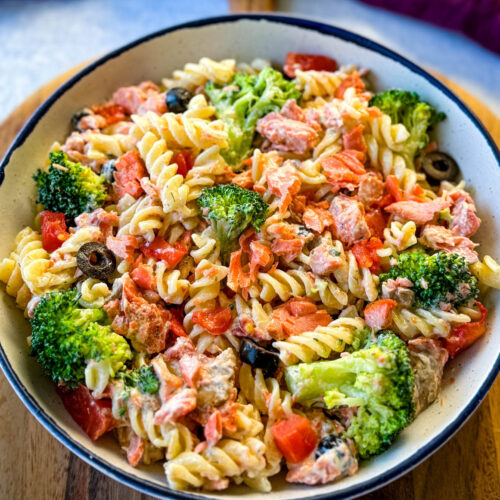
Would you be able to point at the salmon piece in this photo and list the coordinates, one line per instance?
(371, 190)
(325, 259)
(352, 80)
(295, 317)
(344, 169)
(286, 134)
(244, 180)
(145, 324)
(130, 170)
(301, 307)
(283, 182)
(440, 238)
(123, 246)
(237, 278)
(354, 140)
(190, 366)
(154, 102)
(132, 98)
(101, 219)
(135, 450)
(288, 249)
(228, 416)
(378, 314)
(213, 428)
(260, 257)
(349, 221)
(177, 406)
(143, 276)
(317, 219)
(465, 221)
(420, 213)
(292, 111)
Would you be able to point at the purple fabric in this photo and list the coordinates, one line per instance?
(478, 19)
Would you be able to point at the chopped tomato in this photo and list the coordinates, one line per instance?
(307, 62)
(353, 80)
(54, 233)
(295, 438)
(465, 335)
(161, 249)
(365, 253)
(216, 320)
(94, 416)
(376, 222)
(129, 170)
(184, 162)
(112, 113)
(378, 314)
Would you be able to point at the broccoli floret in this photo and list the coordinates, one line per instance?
(417, 116)
(378, 380)
(230, 209)
(69, 188)
(144, 378)
(438, 278)
(66, 337)
(245, 99)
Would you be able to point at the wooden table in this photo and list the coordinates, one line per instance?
(35, 465)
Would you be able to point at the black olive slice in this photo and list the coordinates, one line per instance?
(177, 99)
(258, 356)
(439, 166)
(326, 444)
(108, 171)
(75, 119)
(96, 260)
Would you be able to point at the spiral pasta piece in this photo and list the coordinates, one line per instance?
(320, 343)
(428, 323)
(320, 83)
(197, 74)
(93, 293)
(487, 271)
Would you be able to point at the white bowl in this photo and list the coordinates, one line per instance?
(245, 37)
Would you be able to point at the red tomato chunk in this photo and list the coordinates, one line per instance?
(54, 232)
(161, 249)
(366, 255)
(184, 162)
(92, 415)
(216, 320)
(295, 438)
(463, 336)
(307, 62)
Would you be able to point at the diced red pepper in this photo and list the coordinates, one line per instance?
(54, 233)
(112, 113)
(307, 62)
(184, 162)
(463, 336)
(161, 249)
(295, 438)
(216, 320)
(366, 255)
(94, 416)
(130, 170)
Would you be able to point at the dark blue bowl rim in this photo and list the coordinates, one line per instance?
(149, 487)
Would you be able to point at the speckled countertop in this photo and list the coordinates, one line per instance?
(40, 39)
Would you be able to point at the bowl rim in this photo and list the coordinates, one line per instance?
(150, 487)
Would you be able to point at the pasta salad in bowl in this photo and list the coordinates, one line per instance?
(251, 268)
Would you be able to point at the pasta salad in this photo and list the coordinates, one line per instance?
(243, 269)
